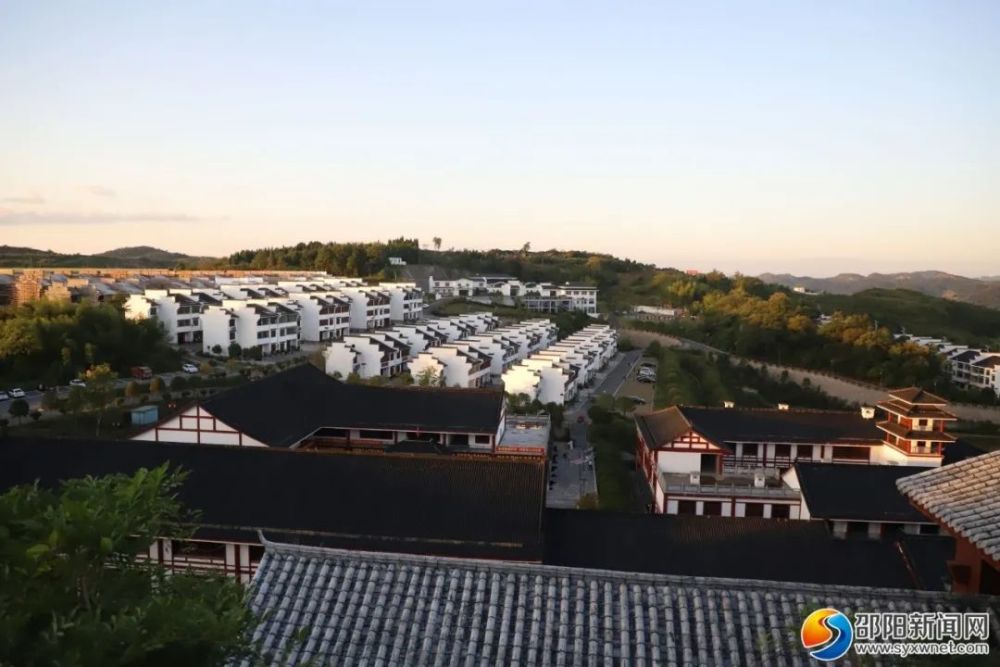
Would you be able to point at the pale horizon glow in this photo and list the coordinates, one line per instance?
(783, 137)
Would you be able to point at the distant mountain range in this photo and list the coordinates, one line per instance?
(136, 257)
(981, 291)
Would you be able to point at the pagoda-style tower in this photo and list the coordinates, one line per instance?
(914, 427)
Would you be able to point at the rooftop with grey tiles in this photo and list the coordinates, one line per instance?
(360, 608)
(964, 496)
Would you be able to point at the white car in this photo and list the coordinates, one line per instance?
(17, 392)
(4, 396)
(189, 368)
(77, 383)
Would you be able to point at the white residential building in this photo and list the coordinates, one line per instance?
(541, 297)
(975, 369)
(406, 301)
(324, 316)
(177, 310)
(367, 354)
(453, 365)
(271, 326)
(556, 373)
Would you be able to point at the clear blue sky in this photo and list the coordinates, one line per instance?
(802, 136)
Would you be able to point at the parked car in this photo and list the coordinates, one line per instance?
(4, 396)
(77, 383)
(189, 368)
(646, 379)
(16, 392)
(142, 372)
(638, 400)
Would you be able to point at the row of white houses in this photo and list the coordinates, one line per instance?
(541, 297)
(969, 367)
(556, 374)
(275, 316)
(463, 351)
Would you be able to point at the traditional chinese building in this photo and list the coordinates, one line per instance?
(731, 461)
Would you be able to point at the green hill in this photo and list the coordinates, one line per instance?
(920, 314)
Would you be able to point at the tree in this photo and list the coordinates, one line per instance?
(437, 242)
(99, 392)
(353, 378)
(235, 351)
(205, 368)
(19, 408)
(216, 349)
(178, 382)
(74, 594)
(427, 378)
(131, 389)
(588, 501)
(156, 385)
(526, 248)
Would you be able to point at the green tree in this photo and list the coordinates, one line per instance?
(99, 392)
(437, 242)
(235, 351)
(156, 385)
(427, 378)
(19, 408)
(131, 389)
(72, 592)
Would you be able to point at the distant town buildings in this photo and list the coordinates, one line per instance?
(540, 297)
(274, 314)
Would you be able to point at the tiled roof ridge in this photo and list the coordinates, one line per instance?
(972, 462)
(768, 586)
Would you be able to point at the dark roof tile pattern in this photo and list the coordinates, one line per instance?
(348, 608)
(284, 408)
(415, 504)
(964, 497)
(739, 548)
(727, 425)
(856, 492)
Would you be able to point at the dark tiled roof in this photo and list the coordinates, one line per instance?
(481, 508)
(988, 362)
(856, 492)
(915, 395)
(966, 356)
(726, 425)
(964, 497)
(741, 548)
(282, 409)
(329, 607)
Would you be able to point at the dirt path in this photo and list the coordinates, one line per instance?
(844, 389)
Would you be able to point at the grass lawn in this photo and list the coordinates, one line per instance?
(615, 476)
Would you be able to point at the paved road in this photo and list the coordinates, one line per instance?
(571, 471)
(33, 397)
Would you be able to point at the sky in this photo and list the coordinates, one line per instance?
(805, 137)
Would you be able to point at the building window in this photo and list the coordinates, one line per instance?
(782, 451)
(804, 451)
(930, 529)
(687, 507)
(781, 511)
(754, 509)
(851, 453)
(483, 439)
(712, 508)
(750, 449)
